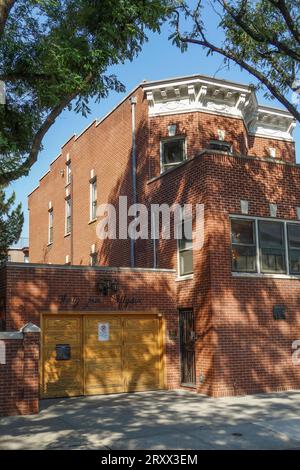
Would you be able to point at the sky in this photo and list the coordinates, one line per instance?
(159, 59)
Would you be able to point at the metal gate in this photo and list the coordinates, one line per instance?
(187, 347)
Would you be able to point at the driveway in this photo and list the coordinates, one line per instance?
(158, 420)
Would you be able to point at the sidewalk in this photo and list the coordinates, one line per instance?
(158, 420)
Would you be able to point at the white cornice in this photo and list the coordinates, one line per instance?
(221, 97)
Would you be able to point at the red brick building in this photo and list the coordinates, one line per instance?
(224, 315)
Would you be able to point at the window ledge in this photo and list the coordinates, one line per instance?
(266, 275)
(184, 278)
(92, 221)
(67, 234)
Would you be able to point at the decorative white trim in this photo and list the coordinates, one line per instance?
(203, 94)
(31, 328)
(11, 335)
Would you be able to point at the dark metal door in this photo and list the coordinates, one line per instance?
(187, 347)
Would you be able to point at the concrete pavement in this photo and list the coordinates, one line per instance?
(174, 420)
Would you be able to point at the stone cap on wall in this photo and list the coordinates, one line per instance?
(28, 328)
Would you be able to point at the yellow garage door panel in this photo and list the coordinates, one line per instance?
(103, 359)
(141, 354)
(62, 376)
(129, 358)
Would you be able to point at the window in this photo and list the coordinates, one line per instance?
(293, 235)
(243, 245)
(272, 248)
(50, 233)
(93, 199)
(93, 259)
(220, 145)
(68, 172)
(173, 152)
(265, 246)
(185, 248)
(68, 216)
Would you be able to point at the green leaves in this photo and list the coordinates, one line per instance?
(11, 222)
(261, 36)
(53, 51)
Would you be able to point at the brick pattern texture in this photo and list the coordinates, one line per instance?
(19, 377)
(240, 349)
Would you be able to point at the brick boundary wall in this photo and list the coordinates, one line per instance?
(19, 376)
(31, 290)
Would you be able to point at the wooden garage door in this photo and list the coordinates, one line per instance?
(62, 356)
(112, 354)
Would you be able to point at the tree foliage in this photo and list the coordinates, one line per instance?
(11, 222)
(55, 51)
(261, 36)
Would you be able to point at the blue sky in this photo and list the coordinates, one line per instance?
(159, 59)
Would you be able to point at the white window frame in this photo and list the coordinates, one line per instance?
(92, 255)
(50, 217)
(187, 275)
(259, 273)
(92, 205)
(164, 168)
(68, 172)
(68, 200)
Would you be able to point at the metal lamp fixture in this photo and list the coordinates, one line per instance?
(108, 286)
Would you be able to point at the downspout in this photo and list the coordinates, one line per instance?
(133, 101)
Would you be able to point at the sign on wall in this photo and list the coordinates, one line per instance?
(2, 353)
(103, 331)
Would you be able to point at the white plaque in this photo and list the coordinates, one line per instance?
(103, 331)
(2, 353)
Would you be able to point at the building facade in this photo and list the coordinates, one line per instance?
(229, 308)
(19, 252)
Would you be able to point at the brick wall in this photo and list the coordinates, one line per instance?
(106, 147)
(19, 376)
(253, 352)
(240, 348)
(33, 290)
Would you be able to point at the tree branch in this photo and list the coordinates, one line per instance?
(231, 56)
(281, 6)
(14, 77)
(38, 138)
(5, 7)
(256, 36)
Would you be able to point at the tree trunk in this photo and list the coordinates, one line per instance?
(5, 7)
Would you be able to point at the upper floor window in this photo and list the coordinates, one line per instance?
(93, 198)
(93, 259)
(185, 248)
(293, 235)
(265, 246)
(272, 248)
(68, 172)
(220, 145)
(243, 245)
(68, 216)
(50, 227)
(173, 152)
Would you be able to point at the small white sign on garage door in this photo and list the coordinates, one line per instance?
(103, 331)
